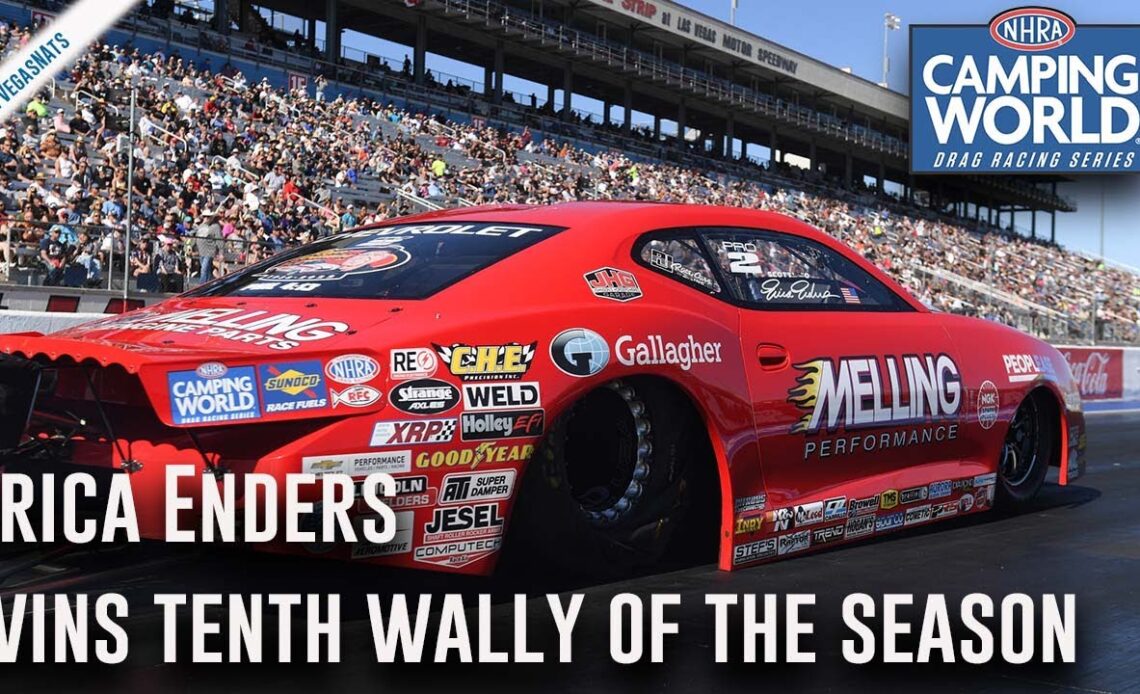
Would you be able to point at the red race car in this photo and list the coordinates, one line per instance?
(678, 378)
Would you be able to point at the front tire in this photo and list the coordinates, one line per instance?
(611, 483)
(1028, 449)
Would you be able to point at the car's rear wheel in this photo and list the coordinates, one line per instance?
(611, 484)
(1028, 449)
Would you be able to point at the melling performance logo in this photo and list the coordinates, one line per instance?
(902, 401)
(1030, 92)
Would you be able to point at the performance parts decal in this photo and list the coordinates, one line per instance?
(1032, 91)
(917, 397)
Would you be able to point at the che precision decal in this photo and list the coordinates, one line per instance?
(1031, 91)
(915, 399)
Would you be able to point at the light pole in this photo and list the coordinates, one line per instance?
(732, 13)
(891, 22)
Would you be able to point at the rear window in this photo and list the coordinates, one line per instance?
(405, 261)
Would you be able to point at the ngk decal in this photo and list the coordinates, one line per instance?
(403, 433)
(1031, 91)
(1098, 372)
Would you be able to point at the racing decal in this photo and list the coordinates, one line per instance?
(986, 479)
(359, 464)
(749, 525)
(411, 492)
(860, 526)
(512, 231)
(463, 523)
(335, 264)
(793, 542)
(487, 453)
(835, 508)
(612, 283)
(809, 514)
(508, 362)
(939, 490)
(355, 396)
(516, 424)
(579, 352)
(749, 504)
(400, 544)
(352, 369)
(889, 499)
(806, 291)
(292, 387)
(781, 518)
(966, 503)
(502, 396)
(415, 362)
(890, 521)
(220, 395)
(403, 433)
(984, 496)
(654, 350)
(281, 331)
(944, 510)
(457, 554)
(913, 494)
(821, 536)
(861, 392)
(754, 551)
(868, 504)
(477, 486)
(988, 403)
(1023, 368)
(917, 514)
(424, 396)
(664, 261)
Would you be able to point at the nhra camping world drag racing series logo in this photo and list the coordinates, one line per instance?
(1030, 92)
(914, 399)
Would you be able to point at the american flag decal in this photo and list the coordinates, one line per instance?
(849, 295)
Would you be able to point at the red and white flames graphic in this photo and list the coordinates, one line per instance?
(1100, 372)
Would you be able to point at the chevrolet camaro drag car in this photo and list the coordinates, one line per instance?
(603, 384)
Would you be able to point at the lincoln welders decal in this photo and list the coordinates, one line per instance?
(1030, 91)
(876, 392)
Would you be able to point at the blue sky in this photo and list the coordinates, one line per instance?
(849, 33)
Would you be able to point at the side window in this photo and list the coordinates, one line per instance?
(766, 270)
(680, 257)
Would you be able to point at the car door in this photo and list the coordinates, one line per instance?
(847, 379)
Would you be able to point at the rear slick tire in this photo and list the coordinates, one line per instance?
(1026, 453)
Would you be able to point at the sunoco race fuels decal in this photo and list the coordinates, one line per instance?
(1032, 91)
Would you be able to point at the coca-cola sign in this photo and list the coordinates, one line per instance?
(1099, 371)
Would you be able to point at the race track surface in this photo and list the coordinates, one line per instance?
(1084, 539)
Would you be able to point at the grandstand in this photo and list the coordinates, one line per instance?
(238, 122)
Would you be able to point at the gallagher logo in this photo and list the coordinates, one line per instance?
(1025, 93)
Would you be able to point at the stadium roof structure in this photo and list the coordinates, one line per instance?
(717, 82)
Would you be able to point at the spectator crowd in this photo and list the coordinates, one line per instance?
(227, 172)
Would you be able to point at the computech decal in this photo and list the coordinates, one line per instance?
(213, 393)
(1031, 91)
(916, 398)
(293, 387)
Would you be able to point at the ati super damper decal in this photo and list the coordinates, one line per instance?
(1032, 91)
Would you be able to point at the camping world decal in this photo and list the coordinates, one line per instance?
(1030, 91)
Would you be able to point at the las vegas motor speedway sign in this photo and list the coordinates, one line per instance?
(1031, 91)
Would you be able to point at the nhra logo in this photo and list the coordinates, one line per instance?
(855, 392)
(508, 362)
(1025, 93)
(352, 369)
